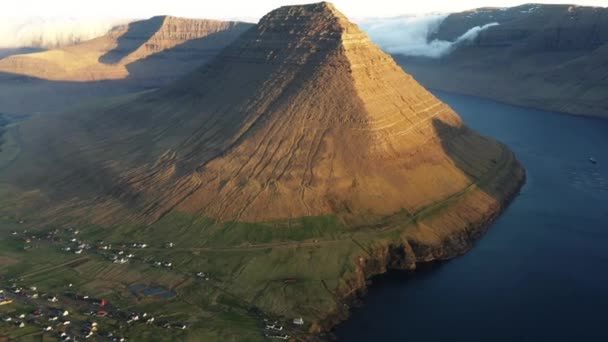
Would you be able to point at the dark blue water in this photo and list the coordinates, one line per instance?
(146, 291)
(541, 272)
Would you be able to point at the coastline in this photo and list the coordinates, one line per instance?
(408, 255)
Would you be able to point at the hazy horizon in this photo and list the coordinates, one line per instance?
(398, 27)
(248, 10)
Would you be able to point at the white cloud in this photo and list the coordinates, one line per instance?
(409, 35)
(51, 32)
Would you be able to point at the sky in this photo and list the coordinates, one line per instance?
(244, 9)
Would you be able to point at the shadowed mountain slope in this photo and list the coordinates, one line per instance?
(300, 116)
(550, 57)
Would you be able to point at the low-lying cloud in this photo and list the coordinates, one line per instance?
(406, 35)
(409, 35)
(51, 32)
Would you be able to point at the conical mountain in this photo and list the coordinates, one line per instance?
(301, 116)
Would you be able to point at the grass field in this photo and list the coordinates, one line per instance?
(254, 273)
(244, 274)
(287, 270)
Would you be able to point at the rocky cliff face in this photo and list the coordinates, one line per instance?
(543, 56)
(456, 237)
(141, 40)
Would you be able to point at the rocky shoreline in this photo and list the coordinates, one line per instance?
(407, 256)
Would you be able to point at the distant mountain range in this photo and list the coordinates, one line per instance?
(543, 56)
(141, 55)
(552, 57)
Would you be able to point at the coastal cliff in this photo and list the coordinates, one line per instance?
(456, 238)
(549, 57)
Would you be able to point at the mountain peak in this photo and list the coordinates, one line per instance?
(318, 19)
(300, 116)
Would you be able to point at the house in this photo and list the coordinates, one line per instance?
(298, 321)
(5, 301)
(133, 318)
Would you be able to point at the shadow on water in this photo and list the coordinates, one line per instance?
(141, 291)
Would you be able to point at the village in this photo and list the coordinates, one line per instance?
(71, 316)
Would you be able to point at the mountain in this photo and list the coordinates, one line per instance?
(300, 152)
(551, 57)
(143, 54)
(114, 55)
(294, 119)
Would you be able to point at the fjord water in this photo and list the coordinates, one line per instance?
(541, 271)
